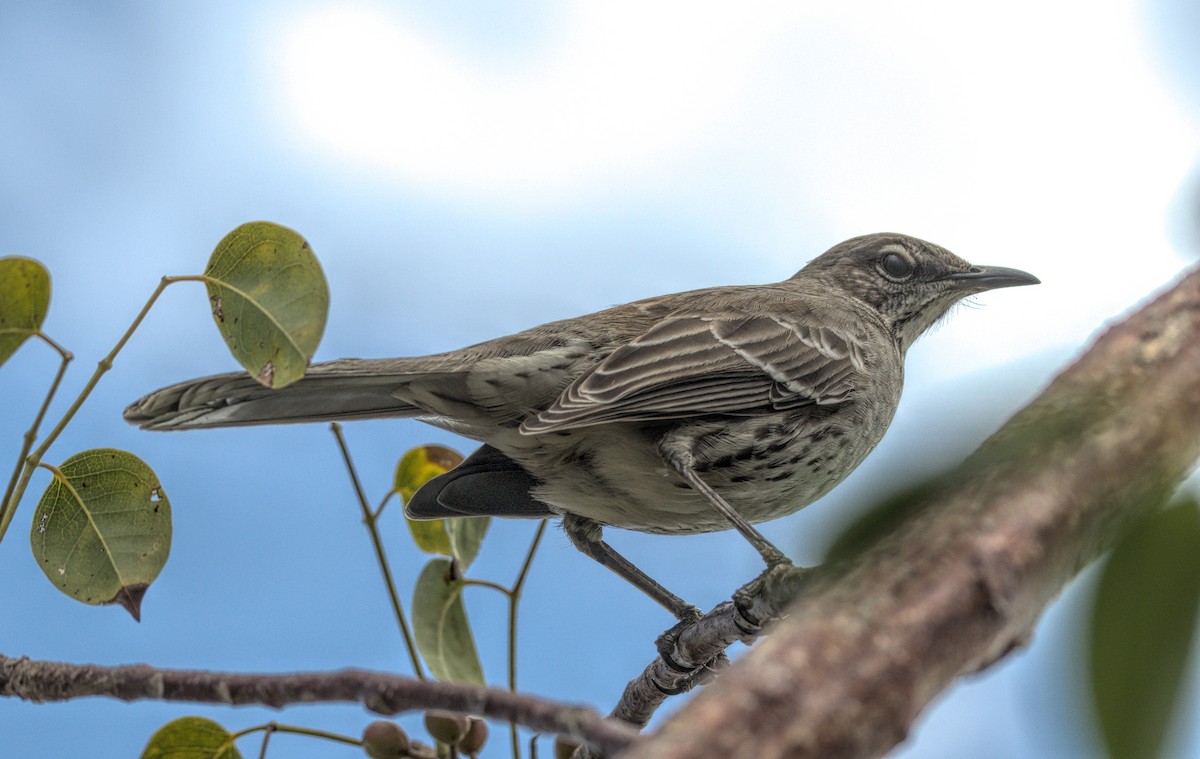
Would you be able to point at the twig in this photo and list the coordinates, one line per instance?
(42, 681)
(7, 509)
(370, 519)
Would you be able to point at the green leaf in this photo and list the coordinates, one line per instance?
(269, 299)
(466, 535)
(415, 468)
(191, 738)
(102, 529)
(24, 301)
(1143, 625)
(441, 628)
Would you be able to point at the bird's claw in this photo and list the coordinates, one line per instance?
(669, 640)
(748, 601)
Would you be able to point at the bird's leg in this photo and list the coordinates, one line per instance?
(772, 555)
(777, 563)
(585, 534)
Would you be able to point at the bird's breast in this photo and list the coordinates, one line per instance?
(765, 466)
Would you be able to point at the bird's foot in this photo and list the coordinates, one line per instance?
(762, 600)
(690, 674)
(668, 642)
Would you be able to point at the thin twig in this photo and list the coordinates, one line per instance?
(369, 519)
(102, 368)
(8, 505)
(514, 602)
(271, 728)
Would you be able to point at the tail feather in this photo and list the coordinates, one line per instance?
(339, 390)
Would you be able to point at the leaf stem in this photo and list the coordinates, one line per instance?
(7, 508)
(488, 584)
(275, 727)
(369, 519)
(379, 510)
(10, 506)
(514, 600)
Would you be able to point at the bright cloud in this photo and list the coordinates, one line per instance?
(612, 92)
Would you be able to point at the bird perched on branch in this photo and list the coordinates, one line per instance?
(685, 413)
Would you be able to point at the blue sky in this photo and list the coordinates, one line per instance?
(464, 172)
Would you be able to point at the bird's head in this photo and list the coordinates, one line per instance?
(910, 282)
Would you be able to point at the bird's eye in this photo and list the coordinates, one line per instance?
(896, 266)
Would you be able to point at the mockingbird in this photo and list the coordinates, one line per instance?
(685, 413)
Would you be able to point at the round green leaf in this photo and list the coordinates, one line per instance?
(269, 299)
(191, 738)
(1143, 625)
(441, 628)
(24, 300)
(102, 529)
(415, 468)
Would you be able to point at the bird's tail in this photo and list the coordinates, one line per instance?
(338, 390)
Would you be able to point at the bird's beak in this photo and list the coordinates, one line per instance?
(981, 278)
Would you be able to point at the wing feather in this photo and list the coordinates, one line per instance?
(696, 365)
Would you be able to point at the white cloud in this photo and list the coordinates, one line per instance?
(623, 83)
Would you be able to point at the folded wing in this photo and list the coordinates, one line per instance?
(698, 365)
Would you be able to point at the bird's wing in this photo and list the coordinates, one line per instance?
(694, 365)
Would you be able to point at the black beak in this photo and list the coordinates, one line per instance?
(981, 278)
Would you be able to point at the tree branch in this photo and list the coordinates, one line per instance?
(963, 580)
(385, 694)
(692, 652)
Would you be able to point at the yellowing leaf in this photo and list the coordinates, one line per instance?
(102, 529)
(269, 299)
(24, 301)
(415, 468)
(420, 465)
(459, 537)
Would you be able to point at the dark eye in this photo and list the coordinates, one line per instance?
(896, 266)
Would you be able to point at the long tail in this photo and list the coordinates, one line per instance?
(345, 389)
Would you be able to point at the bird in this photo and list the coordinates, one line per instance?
(685, 413)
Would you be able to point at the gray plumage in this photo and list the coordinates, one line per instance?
(770, 394)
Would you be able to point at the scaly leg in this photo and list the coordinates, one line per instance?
(772, 555)
(585, 534)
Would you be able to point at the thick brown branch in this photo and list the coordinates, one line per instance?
(381, 693)
(965, 578)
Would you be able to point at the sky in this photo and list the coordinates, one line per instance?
(464, 171)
